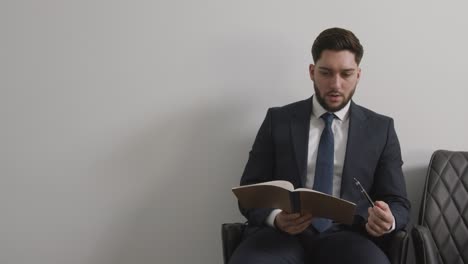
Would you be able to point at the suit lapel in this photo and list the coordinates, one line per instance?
(356, 136)
(300, 123)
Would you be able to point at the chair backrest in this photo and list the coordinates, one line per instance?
(444, 207)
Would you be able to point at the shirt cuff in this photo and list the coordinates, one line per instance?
(393, 227)
(270, 220)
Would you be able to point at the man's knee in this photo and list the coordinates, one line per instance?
(268, 245)
(348, 247)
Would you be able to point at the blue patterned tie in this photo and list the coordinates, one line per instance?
(323, 181)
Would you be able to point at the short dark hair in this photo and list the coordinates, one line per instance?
(337, 39)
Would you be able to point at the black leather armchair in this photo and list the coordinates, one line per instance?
(441, 235)
(231, 235)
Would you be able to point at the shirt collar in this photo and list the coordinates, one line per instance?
(318, 110)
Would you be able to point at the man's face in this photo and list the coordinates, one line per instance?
(335, 76)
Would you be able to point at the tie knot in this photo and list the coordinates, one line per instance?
(328, 118)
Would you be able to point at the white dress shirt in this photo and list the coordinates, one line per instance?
(340, 127)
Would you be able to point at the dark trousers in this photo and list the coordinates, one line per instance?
(336, 245)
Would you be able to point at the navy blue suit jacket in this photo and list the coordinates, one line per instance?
(373, 156)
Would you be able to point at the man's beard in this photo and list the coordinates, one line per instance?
(322, 102)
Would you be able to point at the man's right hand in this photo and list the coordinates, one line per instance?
(292, 223)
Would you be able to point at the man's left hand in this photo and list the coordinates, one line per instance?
(380, 219)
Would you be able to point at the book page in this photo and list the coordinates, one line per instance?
(282, 184)
(326, 206)
(274, 194)
(314, 191)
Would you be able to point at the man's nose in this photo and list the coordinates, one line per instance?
(336, 81)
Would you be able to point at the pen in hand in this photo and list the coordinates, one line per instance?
(363, 192)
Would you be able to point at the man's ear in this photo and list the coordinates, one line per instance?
(311, 71)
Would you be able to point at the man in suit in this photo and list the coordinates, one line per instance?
(323, 143)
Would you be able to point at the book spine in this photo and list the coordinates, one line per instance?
(295, 202)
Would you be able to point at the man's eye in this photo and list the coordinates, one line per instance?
(347, 74)
(325, 73)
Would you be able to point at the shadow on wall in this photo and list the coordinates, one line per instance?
(415, 178)
(176, 178)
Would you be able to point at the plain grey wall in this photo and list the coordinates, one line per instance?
(124, 124)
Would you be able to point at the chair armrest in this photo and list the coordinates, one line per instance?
(398, 247)
(424, 246)
(231, 235)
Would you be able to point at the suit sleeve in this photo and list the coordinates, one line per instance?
(259, 167)
(389, 182)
